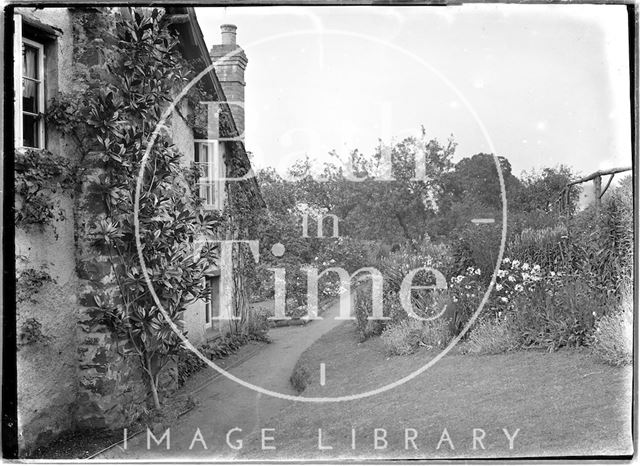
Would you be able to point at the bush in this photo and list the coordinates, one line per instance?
(556, 312)
(612, 338)
(406, 336)
(258, 326)
(300, 378)
(364, 308)
(547, 247)
(398, 264)
(491, 336)
(189, 363)
(401, 338)
(477, 247)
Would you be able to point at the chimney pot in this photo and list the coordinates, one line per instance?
(228, 34)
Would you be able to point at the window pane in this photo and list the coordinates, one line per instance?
(30, 96)
(210, 194)
(29, 61)
(202, 154)
(30, 133)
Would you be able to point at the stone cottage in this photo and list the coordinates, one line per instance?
(69, 372)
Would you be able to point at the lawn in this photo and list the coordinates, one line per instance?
(563, 403)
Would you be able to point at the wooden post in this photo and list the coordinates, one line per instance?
(597, 190)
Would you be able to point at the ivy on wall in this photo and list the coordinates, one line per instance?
(39, 175)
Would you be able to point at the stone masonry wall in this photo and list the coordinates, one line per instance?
(111, 388)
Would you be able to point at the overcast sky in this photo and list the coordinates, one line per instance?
(546, 84)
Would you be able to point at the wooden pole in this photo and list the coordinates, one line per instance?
(597, 189)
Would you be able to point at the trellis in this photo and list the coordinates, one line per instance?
(598, 192)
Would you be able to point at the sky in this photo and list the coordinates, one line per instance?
(539, 84)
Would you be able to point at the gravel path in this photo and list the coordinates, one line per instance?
(224, 405)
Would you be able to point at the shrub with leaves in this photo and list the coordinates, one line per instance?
(406, 336)
(612, 337)
(547, 247)
(491, 335)
(557, 312)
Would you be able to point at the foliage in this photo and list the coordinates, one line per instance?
(301, 377)
(125, 96)
(491, 335)
(547, 247)
(29, 282)
(258, 327)
(476, 246)
(394, 267)
(39, 175)
(363, 304)
(541, 189)
(281, 223)
(611, 242)
(391, 200)
(477, 178)
(223, 346)
(406, 336)
(612, 337)
(31, 333)
(556, 312)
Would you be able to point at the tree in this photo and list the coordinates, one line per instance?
(541, 190)
(391, 200)
(477, 178)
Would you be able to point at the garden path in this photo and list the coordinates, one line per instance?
(224, 404)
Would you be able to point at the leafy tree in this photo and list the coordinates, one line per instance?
(541, 190)
(477, 178)
(391, 198)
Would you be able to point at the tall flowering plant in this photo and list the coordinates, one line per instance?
(513, 279)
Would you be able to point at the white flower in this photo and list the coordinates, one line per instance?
(511, 278)
(525, 276)
(506, 260)
(478, 272)
(502, 273)
(519, 287)
(536, 268)
(525, 266)
(552, 273)
(504, 300)
(498, 287)
(515, 264)
(459, 278)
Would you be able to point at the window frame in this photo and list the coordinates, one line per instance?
(213, 282)
(19, 42)
(214, 173)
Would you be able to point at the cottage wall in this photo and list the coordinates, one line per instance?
(77, 376)
(46, 369)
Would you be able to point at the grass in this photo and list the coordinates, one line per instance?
(564, 403)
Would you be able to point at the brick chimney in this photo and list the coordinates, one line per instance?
(230, 70)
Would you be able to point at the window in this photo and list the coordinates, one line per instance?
(29, 90)
(211, 184)
(213, 288)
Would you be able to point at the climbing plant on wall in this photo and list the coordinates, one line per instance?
(126, 93)
(39, 175)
